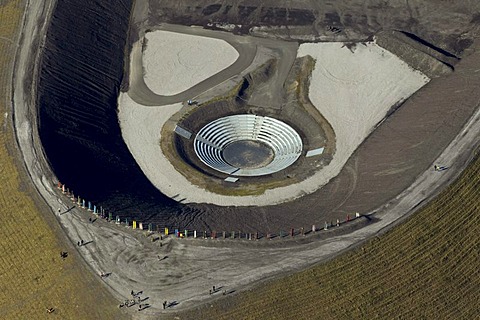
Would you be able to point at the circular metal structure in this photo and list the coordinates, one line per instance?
(248, 145)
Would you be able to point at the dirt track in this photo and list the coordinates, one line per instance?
(409, 139)
(247, 48)
(139, 91)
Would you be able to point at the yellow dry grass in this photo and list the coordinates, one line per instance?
(426, 268)
(33, 277)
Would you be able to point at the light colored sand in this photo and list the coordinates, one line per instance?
(353, 91)
(141, 128)
(174, 62)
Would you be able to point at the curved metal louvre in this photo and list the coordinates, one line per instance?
(212, 139)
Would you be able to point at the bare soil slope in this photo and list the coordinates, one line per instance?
(445, 24)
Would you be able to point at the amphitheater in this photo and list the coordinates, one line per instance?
(225, 138)
(259, 132)
(311, 131)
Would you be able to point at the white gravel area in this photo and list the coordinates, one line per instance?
(174, 62)
(353, 89)
(141, 130)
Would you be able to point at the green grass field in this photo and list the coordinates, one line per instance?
(426, 268)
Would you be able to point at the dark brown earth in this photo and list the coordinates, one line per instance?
(445, 24)
(249, 154)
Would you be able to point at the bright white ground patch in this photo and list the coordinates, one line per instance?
(353, 91)
(174, 62)
(141, 127)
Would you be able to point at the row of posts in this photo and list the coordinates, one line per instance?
(83, 203)
(191, 233)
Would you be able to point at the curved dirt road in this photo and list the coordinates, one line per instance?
(247, 47)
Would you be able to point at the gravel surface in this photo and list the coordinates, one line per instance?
(174, 62)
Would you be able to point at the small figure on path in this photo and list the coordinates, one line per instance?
(164, 304)
(439, 168)
(132, 293)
